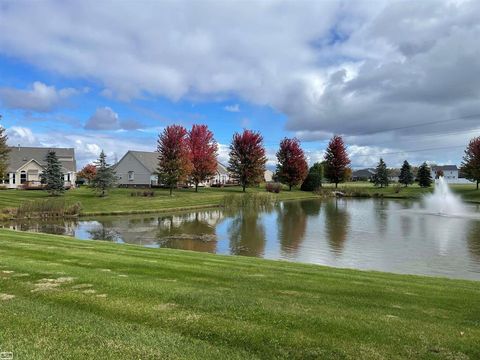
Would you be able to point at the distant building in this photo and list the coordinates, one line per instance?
(268, 175)
(139, 169)
(449, 172)
(26, 164)
(363, 174)
(393, 175)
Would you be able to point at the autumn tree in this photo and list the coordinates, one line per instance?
(203, 152)
(4, 150)
(406, 174)
(381, 174)
(424, 176)
(105, 177)
(336, 159)
(52, 176)
(471, 161)
(247, 158)
(174, 158)
(292, 167)
(88, 172)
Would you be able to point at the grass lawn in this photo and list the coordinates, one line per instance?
(120, 201)
(62, 298)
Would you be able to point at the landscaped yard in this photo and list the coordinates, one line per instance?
(69, 299)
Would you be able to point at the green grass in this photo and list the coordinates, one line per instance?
(89, 300)
(120, 201)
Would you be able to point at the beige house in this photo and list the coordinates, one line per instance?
(26, 164)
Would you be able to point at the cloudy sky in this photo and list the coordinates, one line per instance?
(398, 79)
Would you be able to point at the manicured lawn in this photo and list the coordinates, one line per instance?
(119, 200)
(69, 299)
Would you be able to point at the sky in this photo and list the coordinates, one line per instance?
(398, 79)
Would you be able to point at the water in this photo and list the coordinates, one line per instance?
(444, 202)
(369, 234)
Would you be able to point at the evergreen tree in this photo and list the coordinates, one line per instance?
(406, 174)
(52, 176)
(4, 150)
(105, 177)
(314, 179)
(424, 176)
(381, 175)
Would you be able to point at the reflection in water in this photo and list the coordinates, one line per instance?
(292, 223)
(374, 234)
(247, 234)
(336, 225)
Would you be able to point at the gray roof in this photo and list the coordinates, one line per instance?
(20, 155)
(150, 161)
(444, 167)
(366, 173)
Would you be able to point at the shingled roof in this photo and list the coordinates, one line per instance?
(21, 155)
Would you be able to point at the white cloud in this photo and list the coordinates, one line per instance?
(18, 135)
(105, 118)
(40, 97)
(232, 108)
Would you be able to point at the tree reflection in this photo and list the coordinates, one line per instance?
(292, 224)
(336, 223)
(104, 232)
(247, 233)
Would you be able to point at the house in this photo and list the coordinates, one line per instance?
(26, 164)
(139, 169)
(393, 175)
(449, 172)
(363, 174)
(268, 175)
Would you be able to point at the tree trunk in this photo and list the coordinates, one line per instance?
(478, 181)
(290, 187)
(336, 185)
(244, 186)
(171, 190)
(196, 186)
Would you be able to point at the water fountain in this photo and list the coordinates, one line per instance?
(443, 201)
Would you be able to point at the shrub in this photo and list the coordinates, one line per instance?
(47, 208)
(273, 187)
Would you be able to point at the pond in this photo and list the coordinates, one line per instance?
(368, 234)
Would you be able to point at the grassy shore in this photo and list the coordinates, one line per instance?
(72, 299)
(119, 201)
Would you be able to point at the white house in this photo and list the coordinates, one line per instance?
(450, 173)
(26, 164)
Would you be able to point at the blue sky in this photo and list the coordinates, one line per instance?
(88, 79)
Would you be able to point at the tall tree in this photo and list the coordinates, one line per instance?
(292, 167)
(88, 172)
(203, 150)
(406, 174)
(52, 176)
(247, 158)
(336, 159)
(381, 174)
(471, 161)
(314, 179)
(424, 176)
(105, 177)
(174, 157)
(4, 150)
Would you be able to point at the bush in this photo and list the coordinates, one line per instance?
(143, 193)
(273, 187)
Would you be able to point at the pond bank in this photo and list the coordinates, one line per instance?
(63, 296)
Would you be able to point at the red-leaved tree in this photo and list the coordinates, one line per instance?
(247, 158)
(336, 159)
(88, 172)
(292, 167)
(174, 160)
(203, 150)
(471, 161)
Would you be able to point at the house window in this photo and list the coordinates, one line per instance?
(68, 177)
(131, 176)
(23, 177)
(13, 178)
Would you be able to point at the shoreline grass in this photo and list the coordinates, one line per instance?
(66, 298)
(120, 202)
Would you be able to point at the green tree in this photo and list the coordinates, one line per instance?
(52, 176)
(406, 175)
(424, 176)
(105, 177)
(4, 150)
(381, 175)
(314, 178)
